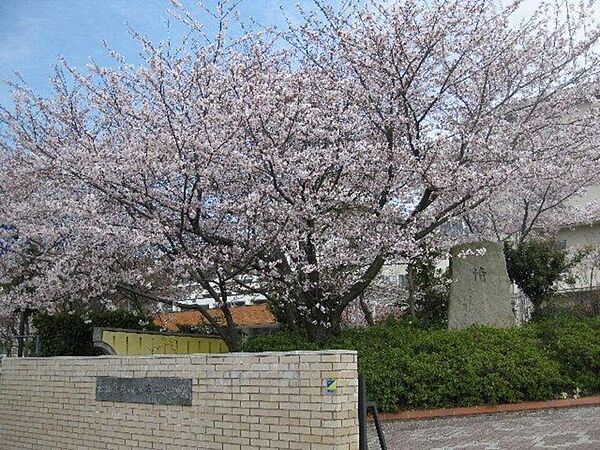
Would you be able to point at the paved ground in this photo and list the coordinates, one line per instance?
(573, 429)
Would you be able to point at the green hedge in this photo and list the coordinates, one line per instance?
(71, 334)
(408, 368)
(575, 345)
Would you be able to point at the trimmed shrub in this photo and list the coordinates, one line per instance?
(407, 367)
(122, 318)
(64, 334)
(575, 345)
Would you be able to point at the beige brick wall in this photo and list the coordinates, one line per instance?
(239, 401)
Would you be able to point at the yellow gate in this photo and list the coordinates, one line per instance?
(115, 341)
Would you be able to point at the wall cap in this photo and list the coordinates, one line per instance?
(186, 356)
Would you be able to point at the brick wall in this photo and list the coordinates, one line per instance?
(239, 401)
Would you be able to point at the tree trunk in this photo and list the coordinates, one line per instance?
(412, 288)
(538, 308)
(229, 331)
(367, 313)
(290, 316)
(232, 337)
(318, 332)
(23, 330)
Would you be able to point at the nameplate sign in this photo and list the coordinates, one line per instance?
(149, 390)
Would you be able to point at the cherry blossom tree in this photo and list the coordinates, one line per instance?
(543, 202)
(535, 208)
(303, 167)
(452, 88)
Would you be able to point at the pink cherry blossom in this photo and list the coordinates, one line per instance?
(293, 163)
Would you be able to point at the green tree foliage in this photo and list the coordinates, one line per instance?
(536, 265)
(431, 293)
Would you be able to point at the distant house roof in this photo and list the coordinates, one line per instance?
(244, 316)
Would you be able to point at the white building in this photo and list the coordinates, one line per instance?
(585, 236)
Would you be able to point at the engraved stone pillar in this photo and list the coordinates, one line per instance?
(480, 288)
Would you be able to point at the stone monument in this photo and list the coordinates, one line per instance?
(480, 288)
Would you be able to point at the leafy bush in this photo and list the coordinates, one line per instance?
(64, 335)
(71, 334)
(432, 292)
(407, 367)
(536, 265)
(575, 344)
(121, 318)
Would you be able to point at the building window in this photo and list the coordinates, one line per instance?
(402, 280)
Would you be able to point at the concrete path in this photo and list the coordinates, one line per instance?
(572, 428)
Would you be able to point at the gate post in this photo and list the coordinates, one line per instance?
(362, 414)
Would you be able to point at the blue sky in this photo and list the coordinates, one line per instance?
(33, 33)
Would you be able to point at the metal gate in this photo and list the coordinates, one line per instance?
(364, 407)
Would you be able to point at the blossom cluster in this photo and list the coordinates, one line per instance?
(304, 159)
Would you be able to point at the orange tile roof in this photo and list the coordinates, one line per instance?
(251, 315)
